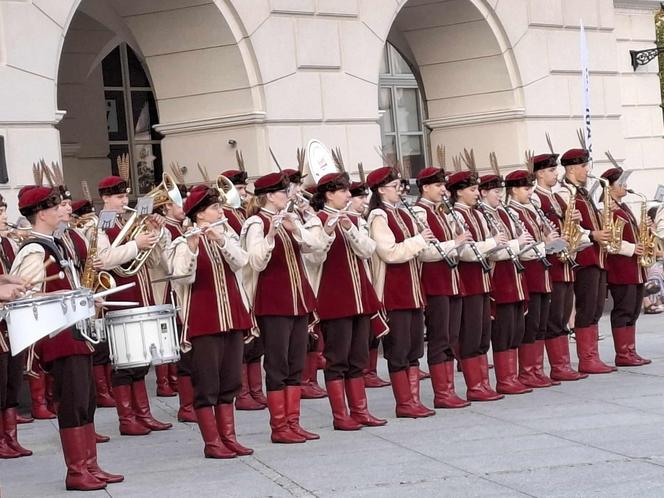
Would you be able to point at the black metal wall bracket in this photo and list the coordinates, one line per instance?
(643, 57)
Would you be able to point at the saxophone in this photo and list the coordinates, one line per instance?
(646, 237)
(90, 278)
(608, 223)
(570, 230)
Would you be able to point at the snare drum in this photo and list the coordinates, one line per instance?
(31, 319)
(139, 337)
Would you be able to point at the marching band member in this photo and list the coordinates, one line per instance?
(531, 352)
(11, 367)
(346, 301)
(590, 282)
(69, 360)
(128, 384)
(396, 278)
(442, 288)
(282, 298)
(508, 288)
(251, 396)
(475, 334)
(625, 276)
(562, 275)
(215, 319)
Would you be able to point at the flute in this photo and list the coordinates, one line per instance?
(486, 266)
(198, 230)
(494, 227)
(519, 224)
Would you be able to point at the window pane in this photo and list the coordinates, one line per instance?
(137, 76)
(148, 166)
(399, 64)
(144, 112)
(116, 122)
(385, 104)
(114, 152)
(112, 69)
(412, 155)
(384, 64)
(389, 148)
(408, 116)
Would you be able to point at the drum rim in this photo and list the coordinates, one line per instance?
(29, 301)
(141, 310)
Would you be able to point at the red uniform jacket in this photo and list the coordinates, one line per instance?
(345, 288)
(236, 218)
(438, 279)
(553, 207)
(6, 259)
(475, 281)
(625, 270)
(537, 276)
(283, 288)
(215, 302)
(399, 277)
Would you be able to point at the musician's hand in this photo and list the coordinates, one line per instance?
(525, 238)
(10, 292)
(500, 239)
(551, 236)
(649, 222)
(97, 264)
(11, 279)
(601, 235)
(277, 220)
(192, 240)
(291, 223)
(428, 235)
(463, 238)
(146, 240)
(158, 220)
(346, 224)
(213, 234)
(331, 224)
(639, 249)
(576, 216)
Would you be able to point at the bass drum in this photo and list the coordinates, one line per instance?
(139, 337)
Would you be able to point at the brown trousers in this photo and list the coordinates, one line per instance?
(537, 317)
(285, 339)
(442, 318)
(590, 292)
(216, 368)
(346, 346)
(627, 300)
(74, 391)
(127, 376)
(11, 378)
(475, 335)
(254, 351)
(508, 327)
(560, 309)
(184, 364)
(404, 345)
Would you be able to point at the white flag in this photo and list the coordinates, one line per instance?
(585, 78)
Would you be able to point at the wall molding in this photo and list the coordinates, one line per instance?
(217, 123)
(475, 118)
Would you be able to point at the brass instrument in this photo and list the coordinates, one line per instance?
(90, 278)
(228, 194)
(570, 231)
(608, 223)
(564, 254)
(84, 221)
(167, 191)
(645, 236)
(17, 233)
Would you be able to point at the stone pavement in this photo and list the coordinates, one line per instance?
(597, 437)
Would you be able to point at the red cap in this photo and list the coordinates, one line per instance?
(294, 175)
(431, 175)
(519, 178)
(25, 189)
(357, 189)
(81, 207)
(544, 161)
(381, 176)
(461, 180)
(236, 176)
(575, 156)
(37, 199)
(200, 197)
(112, 185)
(488, 182)
(612, 174)
(271, 182)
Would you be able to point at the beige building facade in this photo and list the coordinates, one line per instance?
(192, 81)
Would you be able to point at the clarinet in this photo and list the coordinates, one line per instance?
(494, 227)
(517, 222)
(547, 222)
(486, 266)
(421, 226)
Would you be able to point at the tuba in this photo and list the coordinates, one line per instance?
(167, 191)
(228, 194)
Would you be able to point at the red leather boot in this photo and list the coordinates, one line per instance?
(506, 373)
(561, 368)
(341, 419)
(104, 397)
(75, 449)
(310, 388)
(624, 342)
(163, 385)
(527, 366)
(255, 379)
(186, 411)
(11, 433)
(486, 383)
(5, 450)
(587, 350)
(474, 377)
(371, 379)
(244, 400)
(281, 432)
(141, 404)
(214, 446)
(91, 461)
(38, 395)
(129, 426)
(100, 438)
(293, 396)
(173, 376)
(414, 378)
(442, 380)
(226, 427)
(539, 364)
(405, 405)
(357, 402)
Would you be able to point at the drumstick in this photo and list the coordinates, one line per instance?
(59, 276)
(49, 262)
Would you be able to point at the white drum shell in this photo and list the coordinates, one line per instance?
(140, 337)
(31, 319)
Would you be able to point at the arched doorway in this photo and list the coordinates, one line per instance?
(163, 83)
